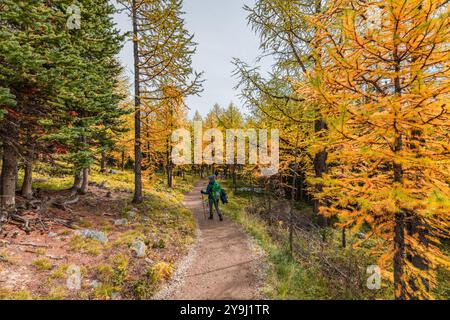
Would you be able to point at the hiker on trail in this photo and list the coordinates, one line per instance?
(213, 191)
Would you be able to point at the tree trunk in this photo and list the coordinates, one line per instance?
(344, 237)
(408, 287)
(169, 175)
(293, 194)
(234, 178)
(103, 162)
(85, 184)
(27, 185)
(137, 116)
(320, 167)
(267, 191)
(122, 164)
(301, 188)
(399, 255)
(77, 180)
(169, 167)
(8, 178)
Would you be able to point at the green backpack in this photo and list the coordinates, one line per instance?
(215, 190)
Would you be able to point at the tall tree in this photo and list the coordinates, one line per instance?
(286, 34)
(385, 94)
(137, 107)
(32, 34)
(163, 50)
(91, 107)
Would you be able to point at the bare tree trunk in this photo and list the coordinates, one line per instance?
(320, 167)
(234, 178)
(344, 237)
(103, 162)
(293, 193)
(122, 165)
(301, 192)
(8, 178)
(27, 185)
(137, 116)
(169, 167)
(399, 256)
(77, 180)
(85, 184)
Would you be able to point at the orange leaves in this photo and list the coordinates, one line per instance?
(384, 93)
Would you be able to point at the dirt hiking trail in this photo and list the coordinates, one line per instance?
(222, 264)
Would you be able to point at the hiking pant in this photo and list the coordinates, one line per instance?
(216, 206)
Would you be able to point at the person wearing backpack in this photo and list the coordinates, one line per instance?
(213, 190)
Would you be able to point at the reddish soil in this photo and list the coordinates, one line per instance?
(224, 263)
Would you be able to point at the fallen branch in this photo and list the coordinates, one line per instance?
(29, 244)
(66, 223)
(63, 205)
(25, 222)
(55, 258)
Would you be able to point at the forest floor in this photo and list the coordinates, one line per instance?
(224, 263)
(43, 263)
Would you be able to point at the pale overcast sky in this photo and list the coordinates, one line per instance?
(221, 31)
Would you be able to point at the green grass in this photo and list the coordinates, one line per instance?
(286, 278)
(55, 178)
(60, 272)
(18, 295)
(43, 264)
(87, 246)
(162, 223)
(295, 277)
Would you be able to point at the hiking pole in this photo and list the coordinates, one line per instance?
(204, 208)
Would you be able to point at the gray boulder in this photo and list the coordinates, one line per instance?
(121, 222)
(139, 248)
(92, 234)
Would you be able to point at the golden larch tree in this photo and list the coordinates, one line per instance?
(383, 76)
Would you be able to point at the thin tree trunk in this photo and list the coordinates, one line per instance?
(137, 116)
(399, 228)
(234, 178)
(301, 195)
(399, 256)
(122, 166)
(27, 185)
(169, 167)
(320, 167)
(103, 162)
(85, 184)
(77, 180)
(344, 237)
(8, 178)
(293, 193)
